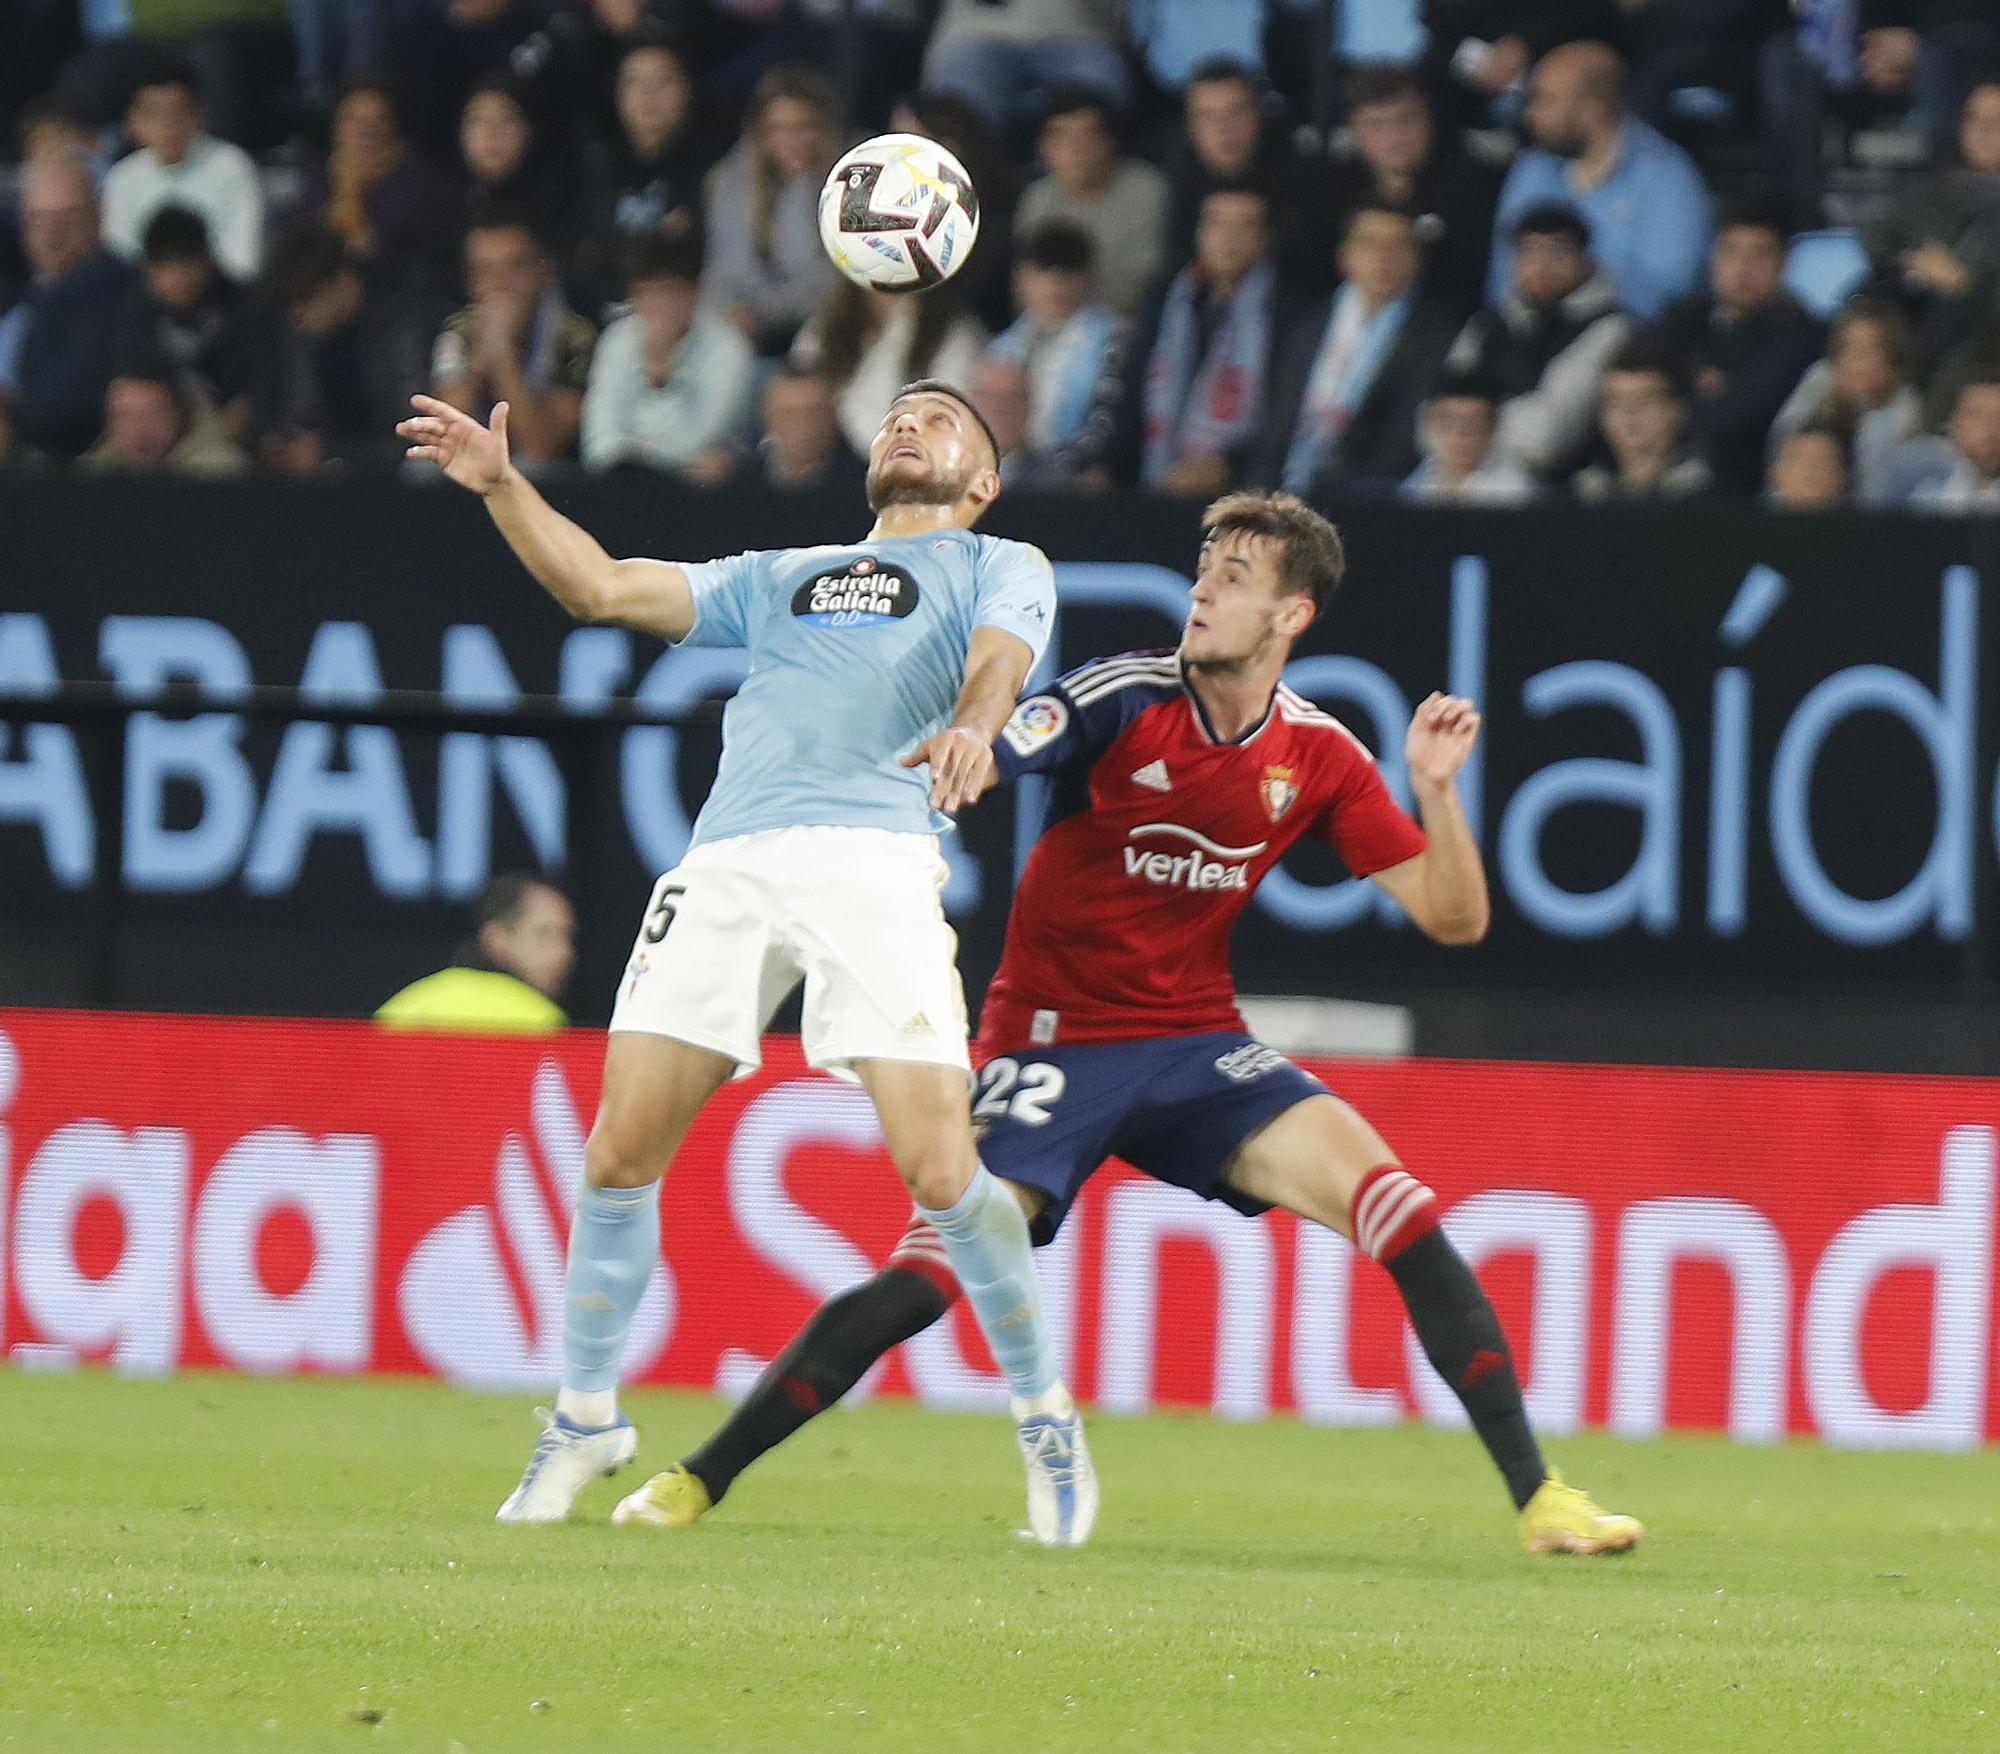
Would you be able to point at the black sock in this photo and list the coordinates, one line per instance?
(1461, 1337)
(826, 1358)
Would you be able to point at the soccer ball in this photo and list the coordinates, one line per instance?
(898, 214)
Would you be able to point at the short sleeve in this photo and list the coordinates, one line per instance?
(1077, 717)
(1014, 589)
(723, 595)
(1366, 826)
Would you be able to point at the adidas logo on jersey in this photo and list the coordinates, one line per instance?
(1153, 776)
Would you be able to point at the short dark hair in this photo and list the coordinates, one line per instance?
(662, 255)
(791, 369)
(504, 216)
(1074, 100)
(1313, 560)
(1756, 210)
(1225, 70)
(1467, 385)
(939, 387)
(1373, 82)
(500, 901)
(306, 257)
(1553, 219)
(1984, 377)
(1055, 243)
(152, 368)
(1237, 186)
(377, 85)
(1889, 317)
(1826, 429)
(1379, 204)
(163, 67)
(1649, 352)
(176, 234)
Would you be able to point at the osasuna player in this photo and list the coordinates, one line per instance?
(1112, 1027)
(815, 858)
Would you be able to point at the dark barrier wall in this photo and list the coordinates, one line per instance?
(1724, 750)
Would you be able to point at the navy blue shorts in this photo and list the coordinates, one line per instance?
(1175, 1106)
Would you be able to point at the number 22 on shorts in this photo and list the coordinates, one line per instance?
(1027, 1093)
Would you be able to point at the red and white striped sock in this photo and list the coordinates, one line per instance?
(920, 1250)
(1392, 1209)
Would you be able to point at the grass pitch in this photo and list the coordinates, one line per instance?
(211, 1563)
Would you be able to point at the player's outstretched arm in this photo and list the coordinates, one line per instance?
(1443, 889)
(568, 562)
(961, 755)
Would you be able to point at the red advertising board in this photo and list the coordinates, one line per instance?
(1756, 1252)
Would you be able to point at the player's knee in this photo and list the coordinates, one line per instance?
(937, 1172)
(1392, 1209)
(621, 1157)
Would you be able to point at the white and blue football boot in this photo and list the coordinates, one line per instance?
(1062, 1485)
(566, 1460)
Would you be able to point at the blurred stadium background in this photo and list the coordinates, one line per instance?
(1713, 1109)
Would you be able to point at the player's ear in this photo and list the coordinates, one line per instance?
(984, 488)
(1297, 615)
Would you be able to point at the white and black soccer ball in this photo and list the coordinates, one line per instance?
(898, 214)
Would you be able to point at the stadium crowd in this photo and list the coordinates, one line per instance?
(1469, 251)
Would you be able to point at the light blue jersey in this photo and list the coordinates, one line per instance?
(857, 653)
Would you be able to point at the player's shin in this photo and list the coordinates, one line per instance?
(614, 1245)
(827, 1357)
(986, 1241)
(1395, 1221)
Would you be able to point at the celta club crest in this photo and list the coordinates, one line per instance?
(1278, 790)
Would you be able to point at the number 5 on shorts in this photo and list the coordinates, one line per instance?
(1006, 1087)
(661, 915)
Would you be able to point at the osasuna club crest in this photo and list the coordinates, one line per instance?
(861, 593)
(1278, 790)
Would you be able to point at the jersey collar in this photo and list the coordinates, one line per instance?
(1208, 730)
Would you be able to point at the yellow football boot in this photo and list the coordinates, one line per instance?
(667, 1501)
(1565, 1519)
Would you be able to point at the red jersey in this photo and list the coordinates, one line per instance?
(1159, 832)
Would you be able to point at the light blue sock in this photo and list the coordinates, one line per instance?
(614, 1245)
(986, 1236)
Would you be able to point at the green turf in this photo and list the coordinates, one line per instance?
(213, 1563)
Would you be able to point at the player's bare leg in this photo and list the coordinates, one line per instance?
(1322, 1160)
(927, 1126)
(654, 1087)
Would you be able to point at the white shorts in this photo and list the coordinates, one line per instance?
(854, 912)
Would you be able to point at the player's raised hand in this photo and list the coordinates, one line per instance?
(474, 456)
(961, 764)
(1441, 737)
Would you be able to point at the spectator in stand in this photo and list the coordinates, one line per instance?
(347, 352)
(873, 343)
(177, 164)
(1932, 51)
(1480, 51)
(50, 126)
(1463, 463)
(766, 270)
(1228, 140)
(998, 54)
(1119, 203)
(1350, 377)
(801, 447)
(1544, 347)
(1747, 341)
(1400, 160)
(1644, 414)
(1970, 480)
(1938, 243)
(1646, 203)
(573, 64)
(1198, 401)
(389, 202)
(56, 344)
(188, 313)
(151, 428)
(1811, 472)
(1070, 348)
(999, 389)
(1864, 387)
(647, 179)
(670, 388)
(517, 342)
(506, 169)
(507, 978)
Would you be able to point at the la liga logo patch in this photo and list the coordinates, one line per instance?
(1035, 722)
